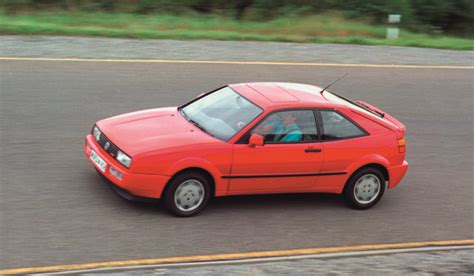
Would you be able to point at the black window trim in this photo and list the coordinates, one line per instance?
(202, 96)
(320, 119)
(245, 137)
(376, 113)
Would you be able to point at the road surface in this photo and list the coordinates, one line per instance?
(54, 209)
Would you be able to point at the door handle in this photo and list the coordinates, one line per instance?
(312, 150)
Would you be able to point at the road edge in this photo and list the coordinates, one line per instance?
(262, 255)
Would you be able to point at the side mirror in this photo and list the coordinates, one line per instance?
(256, 140)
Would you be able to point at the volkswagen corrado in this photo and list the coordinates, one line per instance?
(251, 138)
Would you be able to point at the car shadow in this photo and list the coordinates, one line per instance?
(278, 201)
(265, 202)
(254, 203)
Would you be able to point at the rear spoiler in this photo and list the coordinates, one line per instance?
(372, 108)
(400, 128)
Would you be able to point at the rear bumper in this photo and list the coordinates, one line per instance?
(132, 184)
(396, 173)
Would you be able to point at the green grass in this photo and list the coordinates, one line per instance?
(330, 28)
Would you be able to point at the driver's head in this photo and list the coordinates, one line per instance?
(288, 118)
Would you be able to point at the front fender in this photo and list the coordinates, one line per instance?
(221, 185)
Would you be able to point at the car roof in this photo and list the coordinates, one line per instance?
(278, 94)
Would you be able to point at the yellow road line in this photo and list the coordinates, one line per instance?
(243, 62)
(233, 256)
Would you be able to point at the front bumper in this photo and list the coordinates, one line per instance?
(135, 184)
(396, 173)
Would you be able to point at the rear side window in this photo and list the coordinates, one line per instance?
(336, 126)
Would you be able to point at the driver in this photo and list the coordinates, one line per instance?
(285, 130)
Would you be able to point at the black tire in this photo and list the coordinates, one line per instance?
(349, 195)
(172, 188)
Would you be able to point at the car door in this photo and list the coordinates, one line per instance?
(289, 161)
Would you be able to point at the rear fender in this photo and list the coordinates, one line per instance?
(366, 160)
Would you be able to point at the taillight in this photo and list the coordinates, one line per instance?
(402, 145)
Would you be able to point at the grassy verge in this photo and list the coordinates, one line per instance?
(312, 29)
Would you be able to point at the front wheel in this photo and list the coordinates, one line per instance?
(187, 194)
(365, 188)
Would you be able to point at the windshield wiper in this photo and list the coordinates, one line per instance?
(194, 122)
(200, 126)
(183, 113)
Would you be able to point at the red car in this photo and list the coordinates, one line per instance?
(251, 138)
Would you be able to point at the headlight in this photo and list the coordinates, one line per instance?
(124, 159)
(96, 133)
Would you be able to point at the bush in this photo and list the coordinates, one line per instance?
(453, 16)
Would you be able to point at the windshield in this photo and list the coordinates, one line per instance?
(222, 113)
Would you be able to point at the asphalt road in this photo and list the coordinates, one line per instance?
(56, 210)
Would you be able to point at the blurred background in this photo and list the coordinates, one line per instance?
(424, 23)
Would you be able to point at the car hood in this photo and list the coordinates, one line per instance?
(151, 130)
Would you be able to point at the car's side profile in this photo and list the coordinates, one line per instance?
(251, 138)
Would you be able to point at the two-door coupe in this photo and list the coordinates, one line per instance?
(251, 138)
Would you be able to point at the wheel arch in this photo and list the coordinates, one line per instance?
(377, 166)
(199, 170)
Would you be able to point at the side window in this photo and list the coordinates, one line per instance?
(290, 126)
(336, 126)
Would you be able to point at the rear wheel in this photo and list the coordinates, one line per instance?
(364, 188)
(187, 194)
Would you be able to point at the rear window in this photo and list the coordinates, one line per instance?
(344, 101)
